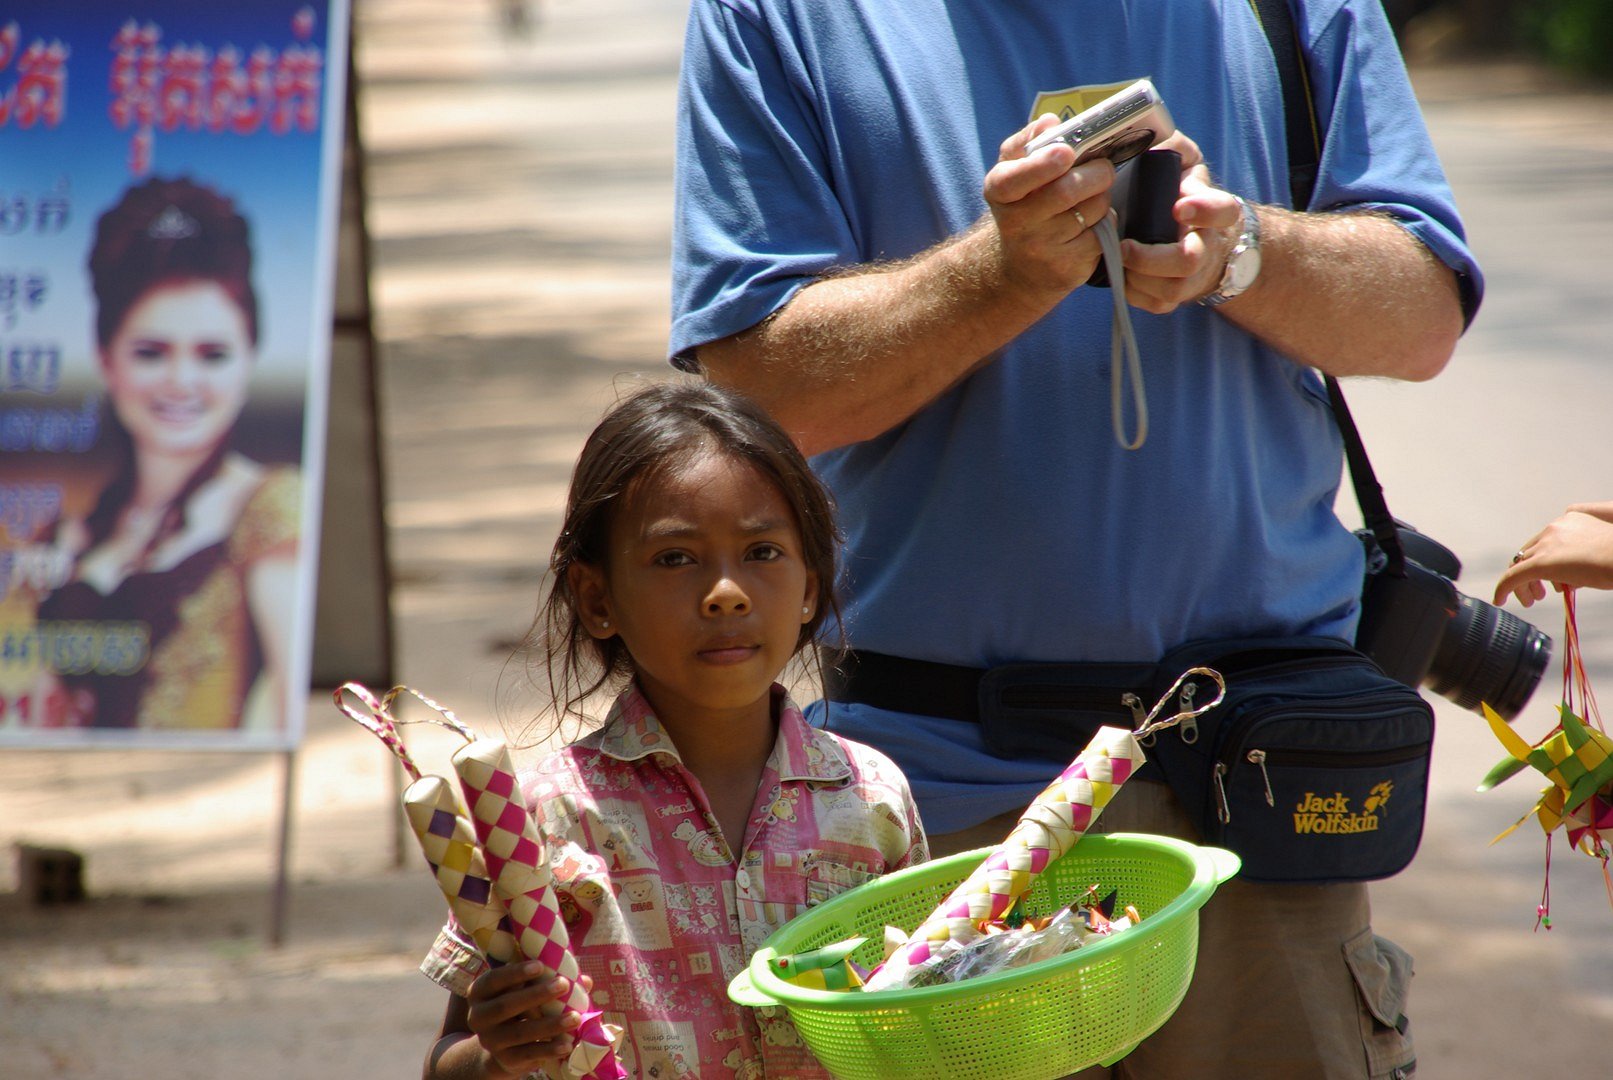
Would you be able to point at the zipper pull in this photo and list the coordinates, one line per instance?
(1258, 757)
(1188, 728)
(1139, 716)
(1222, 811)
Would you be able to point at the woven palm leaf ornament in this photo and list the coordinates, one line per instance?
(1577, 757)
(489, 862)
(828, 968)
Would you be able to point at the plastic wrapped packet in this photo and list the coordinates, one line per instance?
(1064, 932)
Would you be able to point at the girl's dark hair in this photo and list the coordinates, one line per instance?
(162, 232)
(654, 430)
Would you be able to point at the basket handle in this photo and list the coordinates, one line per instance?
(742, 991)
(1224, 864)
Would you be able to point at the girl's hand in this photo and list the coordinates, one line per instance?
(1574, 551)
(515, 1013)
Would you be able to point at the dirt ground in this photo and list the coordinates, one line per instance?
(521, 275)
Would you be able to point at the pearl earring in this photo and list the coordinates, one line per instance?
(604, 624)
(805, 610)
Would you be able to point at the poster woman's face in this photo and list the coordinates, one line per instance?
(179, 367)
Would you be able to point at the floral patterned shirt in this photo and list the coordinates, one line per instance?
(662, 913)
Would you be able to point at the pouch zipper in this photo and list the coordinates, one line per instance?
(1261, 758)
(1234, 739)
(1068, 697)
(1359, 758)
(1354, 760)
(1234, 735)
(1258, 757)
(1188, 727)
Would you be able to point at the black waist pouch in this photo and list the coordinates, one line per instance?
(1053, 710)
(1313, 767)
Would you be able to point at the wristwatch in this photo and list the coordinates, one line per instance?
(1243, 261)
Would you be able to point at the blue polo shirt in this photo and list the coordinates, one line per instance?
(1002, 522)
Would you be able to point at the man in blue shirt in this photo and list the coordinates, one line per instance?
(862, 245)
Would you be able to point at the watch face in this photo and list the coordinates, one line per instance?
(1245, 267)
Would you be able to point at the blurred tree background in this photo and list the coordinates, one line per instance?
(1574, 37)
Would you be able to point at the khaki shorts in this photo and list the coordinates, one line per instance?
(1291, 982)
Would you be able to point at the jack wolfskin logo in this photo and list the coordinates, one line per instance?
(1333, 815)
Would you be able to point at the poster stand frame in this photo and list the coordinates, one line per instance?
(360, 324)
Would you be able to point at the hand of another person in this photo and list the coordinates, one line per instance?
(1574, 551)
(1044, 211)
(515, 1013)
(1162, 277)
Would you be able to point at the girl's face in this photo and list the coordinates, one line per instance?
(179, 366)
(706, 584)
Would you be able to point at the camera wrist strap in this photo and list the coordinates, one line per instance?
(1124, 359)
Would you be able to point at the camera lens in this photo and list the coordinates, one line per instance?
(1488, 655)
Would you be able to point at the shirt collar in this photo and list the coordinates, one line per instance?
(800, 751)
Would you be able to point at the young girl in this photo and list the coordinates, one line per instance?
(697, 558)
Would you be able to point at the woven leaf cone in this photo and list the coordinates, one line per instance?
(1048, 828)
(448, 839)
(519, 868)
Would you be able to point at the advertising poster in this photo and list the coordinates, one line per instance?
(169, 172)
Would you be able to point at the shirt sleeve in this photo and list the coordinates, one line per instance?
(453, 962)
(1376, 150)
(895, 803)
(271, 517)
(755, 214)
(918, 850)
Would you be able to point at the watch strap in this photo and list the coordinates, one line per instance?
(1248, 239)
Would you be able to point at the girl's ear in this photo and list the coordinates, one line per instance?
(587, 583)
(809, 602)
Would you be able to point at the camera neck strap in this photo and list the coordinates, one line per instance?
(1304, 132)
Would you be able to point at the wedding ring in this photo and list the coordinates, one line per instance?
(1079, 217)
(1517, 556)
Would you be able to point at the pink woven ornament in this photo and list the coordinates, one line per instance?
(490, 864)
(519, 868)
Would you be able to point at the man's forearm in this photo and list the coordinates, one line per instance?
(852, 356)
(1351, 294)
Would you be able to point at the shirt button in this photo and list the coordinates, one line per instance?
(742, 879)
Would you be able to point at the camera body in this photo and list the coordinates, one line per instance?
(1144, 200)
(1119, 127)
(1423, 631)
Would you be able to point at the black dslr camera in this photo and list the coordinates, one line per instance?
(1422, 631)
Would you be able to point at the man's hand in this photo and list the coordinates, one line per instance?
(1044, 211)
(1162, 277)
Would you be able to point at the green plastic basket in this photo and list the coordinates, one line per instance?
(1088, 1007)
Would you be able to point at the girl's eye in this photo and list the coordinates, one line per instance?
(148, 350)
(766, 552)
(673, 558)
(213, 354)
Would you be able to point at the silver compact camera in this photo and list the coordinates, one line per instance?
(1119, 127)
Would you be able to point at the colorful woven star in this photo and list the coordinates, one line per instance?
(828, 968)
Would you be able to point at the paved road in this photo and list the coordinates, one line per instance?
(539, 275)
(1479, 458)
(546, 279)
(521, 206)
